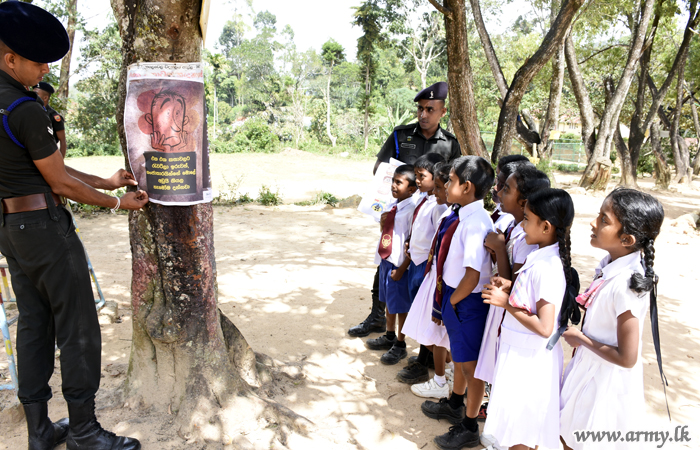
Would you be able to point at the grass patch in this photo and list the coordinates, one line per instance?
(322, 198)
(268, 198)
(568, 168)
(230, 196)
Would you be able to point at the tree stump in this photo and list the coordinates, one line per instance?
(599, 177)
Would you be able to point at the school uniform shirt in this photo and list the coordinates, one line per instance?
(525, 395)
(423, 229)
(467, 246)
(504, 220)
(402, 228)
(519, 247)
(598, 395)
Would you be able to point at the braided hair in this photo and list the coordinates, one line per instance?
(556, 207)
(641, 216)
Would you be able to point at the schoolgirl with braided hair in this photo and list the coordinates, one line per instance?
(523, 408)
(603, 387)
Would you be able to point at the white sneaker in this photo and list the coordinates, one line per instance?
(430, 389)
(449, 374)
(490, 442)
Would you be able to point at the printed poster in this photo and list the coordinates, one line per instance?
(166, 132)
(376, 201)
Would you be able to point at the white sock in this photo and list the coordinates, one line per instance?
(450, 365)
(440, 380)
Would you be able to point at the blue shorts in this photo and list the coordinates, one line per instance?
(415, 278)
(393, 293)
(465, 324)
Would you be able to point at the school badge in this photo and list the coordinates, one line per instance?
(386, 241)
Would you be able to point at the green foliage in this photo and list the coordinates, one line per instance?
(322, 198)
(568, 168)
(545, 166)
(230, 196)
(268, 198)
(255, 136)
(646, 164)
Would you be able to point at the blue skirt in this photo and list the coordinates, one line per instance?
(415, 278)
(465, 324)
(393, 293)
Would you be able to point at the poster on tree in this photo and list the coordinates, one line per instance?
(166, 133)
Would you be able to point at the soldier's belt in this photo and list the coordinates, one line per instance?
(33, 202)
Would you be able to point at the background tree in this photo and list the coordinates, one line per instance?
(332, 53)
(186, 356)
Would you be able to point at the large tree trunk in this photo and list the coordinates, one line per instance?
(696, 124)
(186, 357)
(551, 42)
(681, 154)
(64, 77)
(465, 123)
(661, 167)
(628, 169)
(611, 114)
(551, 119)
(582, 98)
(643, 112)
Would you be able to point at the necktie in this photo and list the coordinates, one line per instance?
(385, 243)
(415, 213)
(587, 297)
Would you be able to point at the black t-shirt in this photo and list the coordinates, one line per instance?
(30, 124)
(412, 145)
(57, 122)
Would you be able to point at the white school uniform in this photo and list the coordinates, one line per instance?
(523, 408)
(518, 251)
(598, 395)
(423, 228)
(419, 324)
(467, 246)
(402, 229)
(504, 220)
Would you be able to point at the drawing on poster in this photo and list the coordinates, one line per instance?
(164, 119)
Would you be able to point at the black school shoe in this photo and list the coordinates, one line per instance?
(442, 410)
(381, 343)
(394, 355)
(457, 438)
(413, 373)
(431, 362)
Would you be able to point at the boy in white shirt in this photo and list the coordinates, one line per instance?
(393, 263)
(423, 227)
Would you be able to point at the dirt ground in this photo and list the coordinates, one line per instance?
(294, 279)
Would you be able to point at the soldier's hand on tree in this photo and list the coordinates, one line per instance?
(134, 200)
(121, 178)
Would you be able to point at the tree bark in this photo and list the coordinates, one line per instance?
(491, 57)
(661, 167)
(582, 98)
(612, 110)
(64, 77)
(681, 154)
(186, 357)
(696, 124)
(459, 78)
(552, 41)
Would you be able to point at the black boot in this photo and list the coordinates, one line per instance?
(42, 434)
(87, 434)
(376, 321)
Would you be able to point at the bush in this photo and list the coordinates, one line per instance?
(268, 198)
(545, 166)
(568, 168)
(254, 136)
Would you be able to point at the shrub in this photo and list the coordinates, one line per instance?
(268, 198)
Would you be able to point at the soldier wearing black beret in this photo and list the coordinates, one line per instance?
(45, 256)
(407, 143)
(44, 90)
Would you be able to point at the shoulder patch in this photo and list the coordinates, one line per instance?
(57, 117)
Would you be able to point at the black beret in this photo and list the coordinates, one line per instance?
(438, 91)
(44, 86)
(32, 33)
